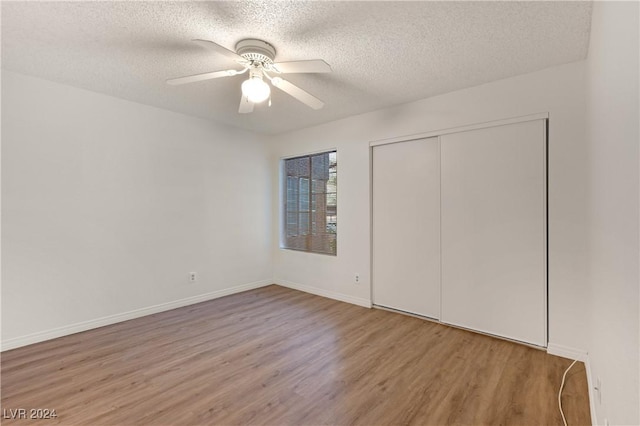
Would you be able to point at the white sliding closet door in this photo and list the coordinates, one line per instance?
(406, 226)
(494, 230)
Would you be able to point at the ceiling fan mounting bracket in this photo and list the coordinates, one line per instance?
(257, 52)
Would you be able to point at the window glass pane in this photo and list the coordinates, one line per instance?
(292, 196)
(320, 166)
(332, 225)
(298, 166)
(310, 205)
(304, 223)
(319, 186)
(304, 194)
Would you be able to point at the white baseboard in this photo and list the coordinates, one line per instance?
(566, 352)
(324, 293)
(592, 396)
(41, 336)
(580, 355)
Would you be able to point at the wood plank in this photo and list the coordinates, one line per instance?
(279, 356)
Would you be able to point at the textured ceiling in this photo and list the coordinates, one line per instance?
(381, 53)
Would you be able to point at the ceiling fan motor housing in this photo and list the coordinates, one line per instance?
(257, 52)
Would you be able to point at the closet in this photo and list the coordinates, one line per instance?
(459, 228)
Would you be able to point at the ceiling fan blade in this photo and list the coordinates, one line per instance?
(314, 65)
(293, 90)
(221, 50)
(246, 106)
(203, 76)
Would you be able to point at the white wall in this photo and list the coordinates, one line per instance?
(558, 91)
(108, 204)
(612, 140)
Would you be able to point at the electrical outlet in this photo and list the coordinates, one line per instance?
(193, 277)
(356, 279)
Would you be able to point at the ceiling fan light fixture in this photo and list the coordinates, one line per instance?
(255, 89)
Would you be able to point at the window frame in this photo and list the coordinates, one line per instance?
(284, 187)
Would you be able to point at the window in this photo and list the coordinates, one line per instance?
(310, 203)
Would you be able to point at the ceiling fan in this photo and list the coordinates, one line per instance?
(256, 57)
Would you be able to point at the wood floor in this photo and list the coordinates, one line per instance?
(278, 356)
